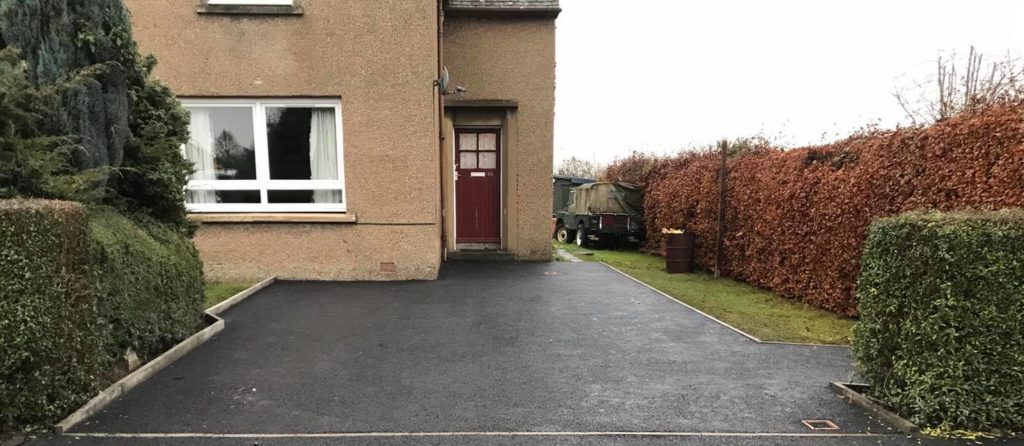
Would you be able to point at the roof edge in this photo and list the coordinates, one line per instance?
(480, 103)
(502, 12)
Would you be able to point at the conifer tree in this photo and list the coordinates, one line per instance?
(31, 163)
(58, 39)
(121, 121)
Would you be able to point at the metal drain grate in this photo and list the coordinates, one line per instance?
(820, 425)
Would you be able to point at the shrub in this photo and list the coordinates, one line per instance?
(941, 334)
(81, 287)
(51, 338)
(150, 282)
(153, 174)
(796, 220)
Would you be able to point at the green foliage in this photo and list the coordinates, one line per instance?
(941, 334)
(121, 121)
(153, 175)
(51, 338)
(32, 163)
(150, 280)
(59, 38)
(80, 288)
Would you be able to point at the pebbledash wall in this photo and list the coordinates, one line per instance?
(380, 59)
(504, 60)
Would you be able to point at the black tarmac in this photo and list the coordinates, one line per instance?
(489, 348)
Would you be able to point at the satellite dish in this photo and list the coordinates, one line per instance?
(443, 82)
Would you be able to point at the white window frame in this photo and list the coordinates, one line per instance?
(263, 183)
(251, 2)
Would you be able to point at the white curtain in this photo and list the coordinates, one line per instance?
(200, 152)
(323, 153)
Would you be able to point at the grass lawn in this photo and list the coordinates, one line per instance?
(217, 292)
(753, 310)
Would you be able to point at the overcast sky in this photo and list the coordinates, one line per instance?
(661, 75)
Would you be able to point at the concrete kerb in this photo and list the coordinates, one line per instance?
(741, 332)
(860, 400)
(124, 385)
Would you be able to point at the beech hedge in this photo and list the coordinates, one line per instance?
(796, 220)
(81, 286)
(941, 331)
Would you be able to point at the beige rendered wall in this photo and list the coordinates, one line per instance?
(513, 58)
(381, 59)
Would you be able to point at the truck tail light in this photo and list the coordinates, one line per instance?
(607, 221)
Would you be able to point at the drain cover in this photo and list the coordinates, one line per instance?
(820, 425)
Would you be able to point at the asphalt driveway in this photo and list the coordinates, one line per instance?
(504, 354)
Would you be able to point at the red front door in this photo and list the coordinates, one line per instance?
(477, 186)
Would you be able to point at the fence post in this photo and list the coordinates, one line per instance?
(719, 238)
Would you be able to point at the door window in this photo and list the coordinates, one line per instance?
(478, 150)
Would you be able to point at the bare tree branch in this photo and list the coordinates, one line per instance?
(951, 92)
(575, 167)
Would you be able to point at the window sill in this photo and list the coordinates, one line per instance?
(335, 218)
(250, 9)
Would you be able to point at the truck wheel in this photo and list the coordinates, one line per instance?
(563, 234)
(581, 238)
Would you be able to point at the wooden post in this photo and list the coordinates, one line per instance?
(719, 239)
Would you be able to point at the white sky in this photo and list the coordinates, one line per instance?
(661, 75)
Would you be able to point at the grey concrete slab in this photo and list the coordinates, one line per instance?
(556, 347)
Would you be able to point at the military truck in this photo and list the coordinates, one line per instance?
(562, 186)
(601, 213)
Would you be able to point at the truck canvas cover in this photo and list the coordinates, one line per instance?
(606, 198)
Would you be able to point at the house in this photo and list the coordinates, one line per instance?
(325, 149)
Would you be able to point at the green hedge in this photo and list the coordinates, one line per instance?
(941, 334)
(80, 287)
(51, 338)
(150, 281)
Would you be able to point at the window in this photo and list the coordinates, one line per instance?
(478, 150)
(265, 156)
(244, 7)
(251, 2)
